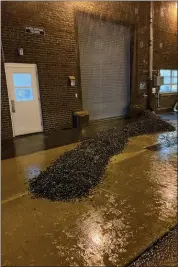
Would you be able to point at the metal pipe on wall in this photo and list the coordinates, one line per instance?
(150, 78)
(151, 43)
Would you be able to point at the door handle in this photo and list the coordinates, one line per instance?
(13, 106)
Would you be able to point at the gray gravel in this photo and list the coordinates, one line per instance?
(74, 174)
(163, 253)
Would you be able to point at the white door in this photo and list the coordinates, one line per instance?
(24, 98)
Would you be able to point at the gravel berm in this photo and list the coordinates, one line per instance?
(76, 172)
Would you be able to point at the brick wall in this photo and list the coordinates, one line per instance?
(56, 53)
(165, 43)
(165, 34)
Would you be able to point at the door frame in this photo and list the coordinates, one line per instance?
(22, 65)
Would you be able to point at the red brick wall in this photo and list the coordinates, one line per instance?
(56, 53)
(165, 32)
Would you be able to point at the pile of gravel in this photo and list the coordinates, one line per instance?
(75, 173)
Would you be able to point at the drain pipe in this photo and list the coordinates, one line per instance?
(150, 78)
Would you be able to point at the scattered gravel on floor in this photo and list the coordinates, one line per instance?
(76, 172)
(163, 253)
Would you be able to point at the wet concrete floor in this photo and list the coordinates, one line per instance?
(133, 207)
(32, 143)
(28, 144)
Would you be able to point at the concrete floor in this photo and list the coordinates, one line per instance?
(133, 207)
(28, 144)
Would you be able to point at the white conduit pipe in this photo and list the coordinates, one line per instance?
(176, 107)
(150, 75)
(151, 43)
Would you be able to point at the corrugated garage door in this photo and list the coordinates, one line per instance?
(105, 67)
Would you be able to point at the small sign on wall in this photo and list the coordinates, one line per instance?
(72, 81)
(34, 30)
(142, 85)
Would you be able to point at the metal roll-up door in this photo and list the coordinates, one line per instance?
(104, 50)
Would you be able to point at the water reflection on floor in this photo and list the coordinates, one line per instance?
(135, 204)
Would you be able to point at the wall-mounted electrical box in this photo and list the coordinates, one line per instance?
(72, 81)
(153, 90)
(158, 80)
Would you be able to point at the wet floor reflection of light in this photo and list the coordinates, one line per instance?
(164, 179)
(170, 137)
(104, 234)
(92, 239)
(96, 238)
(168, 142)
(32, 171)
(84, 132)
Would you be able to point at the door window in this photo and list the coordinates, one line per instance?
(23, 94)
(23, 86)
